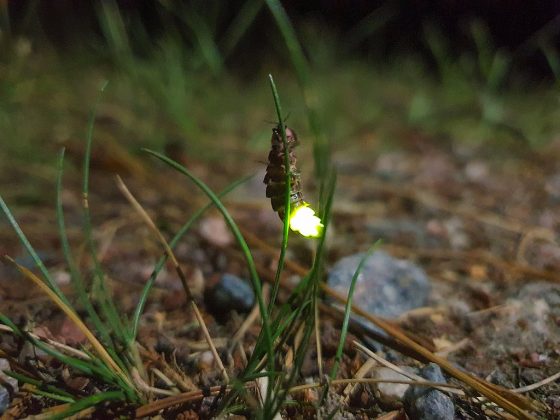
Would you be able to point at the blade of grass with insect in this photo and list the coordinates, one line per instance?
(76, 277)
(257, 284)
(348, 309)
(99, 286)
(180, 233)
(287, 195)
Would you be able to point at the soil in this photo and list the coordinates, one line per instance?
(483, 229)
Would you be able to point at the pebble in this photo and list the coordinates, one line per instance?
(4, 394)
(387, 392)
(230, 293)
(528, 322)
(423, 403)
(386, 286)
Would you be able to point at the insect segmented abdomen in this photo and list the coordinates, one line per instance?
(275, 178)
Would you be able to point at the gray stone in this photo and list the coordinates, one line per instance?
(423, 403)
(230, 293)
(4, 394)
(390, 393)
(528, 323)
(386, 286)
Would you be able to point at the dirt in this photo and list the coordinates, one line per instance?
(482, 227)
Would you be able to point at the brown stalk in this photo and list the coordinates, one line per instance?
(154, 407)
(146, 218)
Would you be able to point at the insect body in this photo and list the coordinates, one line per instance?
(302, 218)
(275, 178)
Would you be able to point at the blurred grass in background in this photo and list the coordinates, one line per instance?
(197, 82)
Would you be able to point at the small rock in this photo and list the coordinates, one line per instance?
(230, 293)
(387, 392)
(215, 231)
(206, 361)
(423, 403)
(386, 286)
(552, 187)
(529, 322)
(548, 292)
(4, 393)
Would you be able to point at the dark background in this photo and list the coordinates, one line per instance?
(367, 29)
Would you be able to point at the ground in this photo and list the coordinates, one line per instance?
(479, 212)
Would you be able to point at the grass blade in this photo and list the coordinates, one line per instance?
(257, 285)
(190, 300)
(27, 245)
(290, 37)
(100, 291)
(88, 402)
(287, 195)
(321, 146)
(180, 233)
(77, 280)
(348, 309)
(239, 26)
(67, 309)
(53, 391)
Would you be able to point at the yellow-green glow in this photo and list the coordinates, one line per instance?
(304, 221)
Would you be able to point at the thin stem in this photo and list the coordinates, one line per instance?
(287, 194)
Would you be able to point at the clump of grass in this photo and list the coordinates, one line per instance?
(115, 356)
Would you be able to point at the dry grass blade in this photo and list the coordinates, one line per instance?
(446, 387)
(71, 351)
(156, 406)
(144, 215)
(360, 374)
(97, 346)
(505, 399)
(394, 367)
(251, 318)
(536, 385)
(147, 388)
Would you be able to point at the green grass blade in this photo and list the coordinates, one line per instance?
(206, 43)
(77, 280)
(27, 245)
(287, 195)
(239, 237)
(53, 392)
(309, 295)
(553, 59)
(290, 37)
(239, 26)
(106, 303)
(90, 402)
(348, 309)
(321, 147)
(180, 233)
(86, 367)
